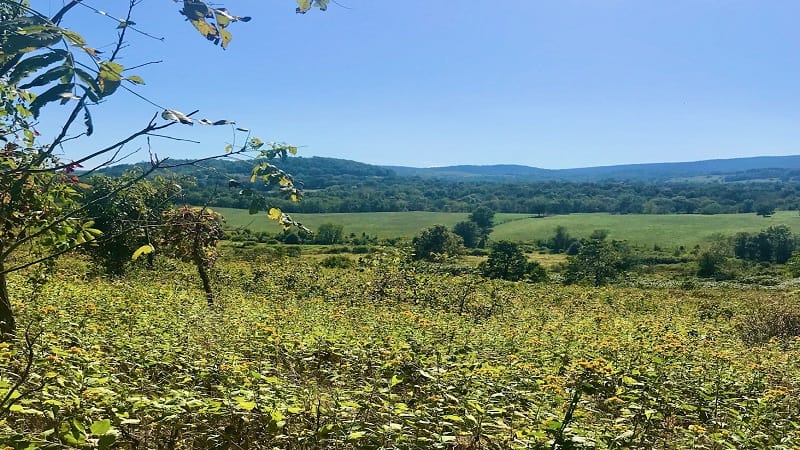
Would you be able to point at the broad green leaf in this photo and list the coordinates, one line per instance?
(395, 381)
(100, 427)
(48, 77)
(244, 404)
(34, 63)
(78, 426)
(106, 441)
(51, 95)
(73, 37)
(109, 77)
(356, 435)
(303, 5)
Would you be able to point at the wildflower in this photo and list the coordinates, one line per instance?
(699, 429)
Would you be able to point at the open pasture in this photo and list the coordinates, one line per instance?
(669, 230)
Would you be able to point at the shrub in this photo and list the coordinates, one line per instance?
(709, 263)
(506, 261)
(328, 234)
(769, 321)
(337, 262)
(598, 262)
(536, 273)
(436, 242)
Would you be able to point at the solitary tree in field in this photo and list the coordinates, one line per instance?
(598, 262)
(469, 232)
(508, 262)
(436, 242)
(329, 233)
(44, 65)
(483, 217)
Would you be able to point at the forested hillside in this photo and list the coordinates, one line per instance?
(336, 185)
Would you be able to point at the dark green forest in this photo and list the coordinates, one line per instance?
(342, 186)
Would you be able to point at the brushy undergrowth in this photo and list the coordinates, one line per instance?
(385, 356)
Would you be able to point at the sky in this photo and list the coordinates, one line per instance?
(551, 84)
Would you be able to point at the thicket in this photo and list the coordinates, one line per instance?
(390, 356)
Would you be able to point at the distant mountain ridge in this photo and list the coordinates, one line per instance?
(320, 172)
(631, 172)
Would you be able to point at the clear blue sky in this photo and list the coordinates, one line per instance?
(554, 84)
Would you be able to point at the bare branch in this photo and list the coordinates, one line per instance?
(144, 64)
(173, 138)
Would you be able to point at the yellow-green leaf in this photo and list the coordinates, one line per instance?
(135, 79)
(274, 213)
(226, 37)
(143, 250)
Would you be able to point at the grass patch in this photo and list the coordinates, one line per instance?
(669, 230)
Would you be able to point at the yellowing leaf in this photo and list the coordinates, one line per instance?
(143, 250)
(226, 37)
(207, 30)
(244, 404)
(135, 79)
(274, 213)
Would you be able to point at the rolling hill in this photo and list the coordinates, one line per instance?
(743, 169)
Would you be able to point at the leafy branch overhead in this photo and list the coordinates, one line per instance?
(44, 206)
(303, 6)
(211, 22)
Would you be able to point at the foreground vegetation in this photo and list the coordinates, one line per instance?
(392, 356)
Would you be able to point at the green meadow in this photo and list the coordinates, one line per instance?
(670, 230)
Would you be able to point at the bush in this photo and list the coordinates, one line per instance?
(436, 242)
(536, 273)
(769, 321)
(506, 261)
(598, 262)
(328, 234)
(709, 264)
(337, 262)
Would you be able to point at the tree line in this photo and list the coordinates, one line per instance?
(550, 198)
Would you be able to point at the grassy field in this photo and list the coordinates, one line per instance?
(382, 225)
(665, 230)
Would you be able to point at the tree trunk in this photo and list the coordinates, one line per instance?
(7, 324)
(201, 269)
(199, 261)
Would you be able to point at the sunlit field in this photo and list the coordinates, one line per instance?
(294, 356)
